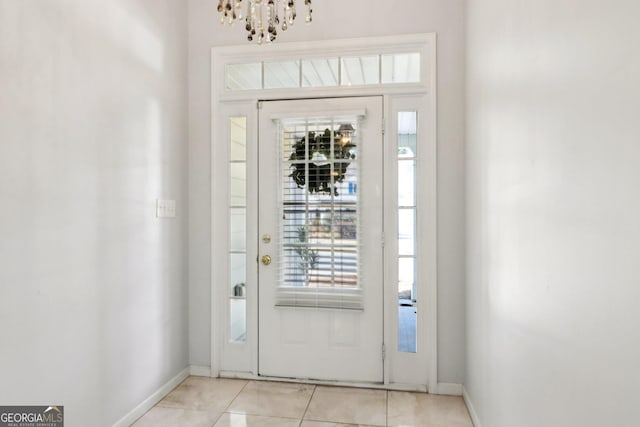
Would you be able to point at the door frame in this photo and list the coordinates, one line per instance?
(417, 96)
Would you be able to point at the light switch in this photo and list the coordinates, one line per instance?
(165, 208)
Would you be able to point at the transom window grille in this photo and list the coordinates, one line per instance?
(320, 213)
(371, 69)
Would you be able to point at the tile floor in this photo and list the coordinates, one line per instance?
(207, 402)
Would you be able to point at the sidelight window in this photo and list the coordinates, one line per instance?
(407, 206)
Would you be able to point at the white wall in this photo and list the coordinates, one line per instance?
(334, 19)
(553, 332)
(93, 128)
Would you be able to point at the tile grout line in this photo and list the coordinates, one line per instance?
(237, 394)
(230, 402)
(315, 387)
(386, 414)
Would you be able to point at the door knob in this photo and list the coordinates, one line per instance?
(266, 260)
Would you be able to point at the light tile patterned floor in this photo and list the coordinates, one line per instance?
(208, 402)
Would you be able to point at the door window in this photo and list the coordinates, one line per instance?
(320, 214)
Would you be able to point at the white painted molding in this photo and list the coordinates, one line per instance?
(470, 408)
(150, 402)
(200, 371)
(448, 389)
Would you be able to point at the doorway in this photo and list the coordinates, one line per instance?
(318, 282)
(320, 222)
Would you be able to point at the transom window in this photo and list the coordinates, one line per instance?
(352, 70)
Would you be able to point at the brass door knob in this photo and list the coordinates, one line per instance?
(266, 260)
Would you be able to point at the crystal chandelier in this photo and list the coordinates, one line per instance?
(262, 17)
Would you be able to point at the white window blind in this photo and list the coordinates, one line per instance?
(319, 232)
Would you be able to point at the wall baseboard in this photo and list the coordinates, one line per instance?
(200, 371)
(448, 389)
(150, 402)
(472, 411)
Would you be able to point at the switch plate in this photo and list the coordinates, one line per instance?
(165, 208)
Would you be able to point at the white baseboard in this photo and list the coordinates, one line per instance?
(200, 371)
(150, 402)
(472, 410)
(448, 389)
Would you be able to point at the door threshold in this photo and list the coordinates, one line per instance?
(422, 388)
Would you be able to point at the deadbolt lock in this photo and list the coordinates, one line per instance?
(266, 238)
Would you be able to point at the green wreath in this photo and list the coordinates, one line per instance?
(320, 169)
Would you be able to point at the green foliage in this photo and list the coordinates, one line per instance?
(320, 174)
(309, 257)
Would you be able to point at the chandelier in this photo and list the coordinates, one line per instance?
(262, 17)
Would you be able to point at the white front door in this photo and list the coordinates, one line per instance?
(320, 249)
